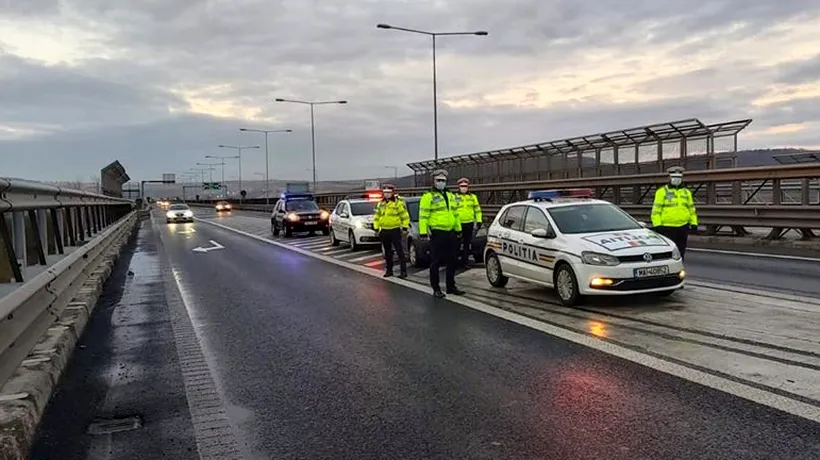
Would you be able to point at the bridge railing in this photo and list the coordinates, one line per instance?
(775, 197)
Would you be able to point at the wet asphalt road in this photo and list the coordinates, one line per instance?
(799, 277)
(317, 361)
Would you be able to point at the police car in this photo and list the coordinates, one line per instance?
(564, 239)
(352, 220)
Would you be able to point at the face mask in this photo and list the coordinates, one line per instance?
(440, 184)
(462, 189)
(676, 181)
(388, 195)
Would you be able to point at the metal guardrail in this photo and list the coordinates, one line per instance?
(39, 220)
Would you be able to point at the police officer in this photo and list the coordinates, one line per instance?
(438, 221)
(391, 221)
(673, 212)
(469, 213)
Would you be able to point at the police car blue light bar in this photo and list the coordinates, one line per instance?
(560, 193)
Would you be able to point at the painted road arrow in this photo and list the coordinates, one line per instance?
(212, 248)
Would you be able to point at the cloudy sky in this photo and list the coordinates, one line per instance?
(158, 84)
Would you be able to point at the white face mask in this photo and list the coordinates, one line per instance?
(388, 195)
(440, 184)
(676, 181)
(462, 189)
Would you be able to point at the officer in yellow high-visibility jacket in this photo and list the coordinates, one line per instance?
(469, 213)
(673, 212)
(439, 221)
(391, 221)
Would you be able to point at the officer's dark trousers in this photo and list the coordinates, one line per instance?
(679, 235)
(443, 250)
(466, 240)
(392, 239)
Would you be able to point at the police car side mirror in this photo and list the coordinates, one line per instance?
(543, 233)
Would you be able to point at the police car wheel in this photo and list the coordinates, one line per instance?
(494, 274)
(351, 238)
(566, 285)
(333, 240)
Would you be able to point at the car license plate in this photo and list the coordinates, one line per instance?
(651, 271)
(311, 223)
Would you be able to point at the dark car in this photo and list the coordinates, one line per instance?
(179, 212)
(418, 250)
(298, 213)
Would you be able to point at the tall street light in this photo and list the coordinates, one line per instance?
(395, 171)
(239, 149)
(267, 157)
(435, 84)
(312, 126)
(223, 158)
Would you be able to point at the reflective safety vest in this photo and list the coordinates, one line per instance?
(391, 214)
(438, 211)
(468, 208)
(673, 207)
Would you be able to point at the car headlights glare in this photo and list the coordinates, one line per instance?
(324, 215)
(293, 217)
(188, 214)
(169, 214)
(596, 258)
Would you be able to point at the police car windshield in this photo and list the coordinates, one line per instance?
(301, 205)
(178, 207)
(592, 218)
(364, 208)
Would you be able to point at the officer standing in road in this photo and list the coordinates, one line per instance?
(469, 214)
(392, 221)
(673, 212)
(438, 221)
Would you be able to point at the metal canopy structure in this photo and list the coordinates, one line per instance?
(682, 130)
(794, 158)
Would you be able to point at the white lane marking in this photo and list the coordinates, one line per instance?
(314, 244)
(741, 390)
(349, 254)
(755, 254)
(214, 246)
(363, 258)
(337, 251)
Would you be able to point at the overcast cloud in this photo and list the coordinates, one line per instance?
(158, 84)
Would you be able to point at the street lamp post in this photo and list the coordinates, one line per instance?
(395, 171)
(267, 156)
(312, 126)
(239, 149)
(433, 35)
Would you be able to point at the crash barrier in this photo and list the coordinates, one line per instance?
(60, 233)
(779, 198)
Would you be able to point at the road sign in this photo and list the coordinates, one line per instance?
(211, 186)
(169, 178)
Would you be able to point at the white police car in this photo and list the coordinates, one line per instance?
(580, 246)
(352, 220)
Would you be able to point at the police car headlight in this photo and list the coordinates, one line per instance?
(675, 253)
(596, 258)
(359, 224)
(169, 214)
(188, 214)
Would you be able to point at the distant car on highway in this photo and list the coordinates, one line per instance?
(418, 250)
(351, 221)
(223, 206)
(298, 212)
(564, 239)
(179, 212)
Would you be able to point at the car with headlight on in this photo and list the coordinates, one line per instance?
(179, 212)
(579, 246)
(298, 212)
(223, 206)
(351, 221)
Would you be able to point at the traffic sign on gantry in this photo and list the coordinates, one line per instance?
(211, 186)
